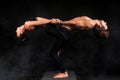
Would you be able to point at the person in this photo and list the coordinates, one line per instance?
(60, 30)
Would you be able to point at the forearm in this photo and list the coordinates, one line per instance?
(38, 23)
(30, 25)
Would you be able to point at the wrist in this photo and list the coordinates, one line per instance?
(24, 28)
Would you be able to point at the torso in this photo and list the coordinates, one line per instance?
(83, 23)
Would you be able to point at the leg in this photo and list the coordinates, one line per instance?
(63, 73)
(60, 36)
(59, 62)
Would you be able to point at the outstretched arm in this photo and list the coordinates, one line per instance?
(30, 25)
(40, 21)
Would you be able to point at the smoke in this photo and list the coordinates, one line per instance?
(85, 54)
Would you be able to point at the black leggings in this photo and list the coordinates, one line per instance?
(60, 39)
(55, 47)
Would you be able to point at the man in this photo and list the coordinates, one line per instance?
(61, 31)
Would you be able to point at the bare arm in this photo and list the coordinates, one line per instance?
(30, 25)
(39, 22)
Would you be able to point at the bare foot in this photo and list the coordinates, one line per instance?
(61, 75)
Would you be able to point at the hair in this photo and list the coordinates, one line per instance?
(104, 33)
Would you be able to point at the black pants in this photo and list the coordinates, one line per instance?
(61, 36)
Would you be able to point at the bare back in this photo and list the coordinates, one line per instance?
(83, 22)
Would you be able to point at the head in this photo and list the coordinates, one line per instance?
(102, 28)
(23, 37)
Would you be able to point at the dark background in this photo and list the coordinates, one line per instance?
(86, 54)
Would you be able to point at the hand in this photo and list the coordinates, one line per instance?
(55, 21)
(20, 31)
